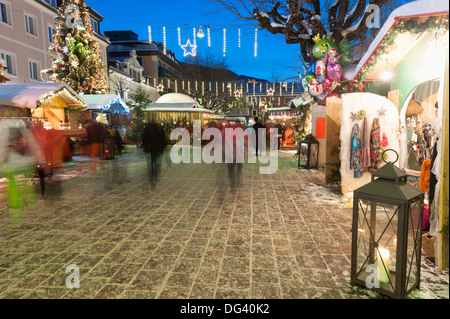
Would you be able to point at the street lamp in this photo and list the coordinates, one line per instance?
(387, 233)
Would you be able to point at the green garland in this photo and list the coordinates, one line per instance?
(304, 112)
(414, 26)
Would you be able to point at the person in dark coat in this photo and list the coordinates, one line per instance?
(153, 144)
(257, 126)
(279, 133)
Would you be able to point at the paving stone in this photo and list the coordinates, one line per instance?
(191, 236)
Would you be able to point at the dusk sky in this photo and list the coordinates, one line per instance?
(275, 59)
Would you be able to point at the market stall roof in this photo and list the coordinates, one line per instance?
(106, 103)
(176, 102)
(32, 95)
(405, 42)
(281, 109)
(300, 100)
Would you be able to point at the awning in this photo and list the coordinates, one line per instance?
(106, 103)
(33, 95)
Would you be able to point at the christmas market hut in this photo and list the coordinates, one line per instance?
(49, 101)
(107, 108)
(408, 60)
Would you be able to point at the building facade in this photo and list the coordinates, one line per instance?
(159, 64)
(26, 33)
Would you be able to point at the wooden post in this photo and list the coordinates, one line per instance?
(443, 197)
(333, 132)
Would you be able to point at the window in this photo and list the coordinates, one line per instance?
(94, 24)
(51, 2)
(5, 10)
(30, 25)
(51, 34)
(8, 60)
(34, 70)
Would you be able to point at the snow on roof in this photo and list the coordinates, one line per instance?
(176, 98)
(29, 95)
(411, 9)
(106, 102)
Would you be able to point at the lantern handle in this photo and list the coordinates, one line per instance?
(389, 149)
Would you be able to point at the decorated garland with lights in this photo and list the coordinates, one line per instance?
(75, 53)
(415, 26)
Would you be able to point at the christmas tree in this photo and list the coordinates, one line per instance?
(75, 53)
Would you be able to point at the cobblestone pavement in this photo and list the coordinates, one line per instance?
(191, 236)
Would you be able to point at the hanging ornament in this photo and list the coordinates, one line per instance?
(200, 33)
(270, 92)
(160, 88)
(192, 49)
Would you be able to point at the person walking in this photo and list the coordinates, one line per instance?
(153, 144)
(19, 154)
(278, 134)
(259, 128)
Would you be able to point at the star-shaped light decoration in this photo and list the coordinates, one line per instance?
(381, 112)
(237, 93)
(160, 88)
(270, 92)
(192, 49)
(354, 116)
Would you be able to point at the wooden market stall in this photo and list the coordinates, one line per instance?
(109, 107)
(44, 100)
(408, 60)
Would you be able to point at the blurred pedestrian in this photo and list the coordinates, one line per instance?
(96, 132)
(19, 155)
(153, 144)
(258, 127)
(278, 134)
(234, 147)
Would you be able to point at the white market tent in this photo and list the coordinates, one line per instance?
(176, 102)
(110, 103)
(33, 95)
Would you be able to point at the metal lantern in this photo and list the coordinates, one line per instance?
(107, 148)
(308, 152)
(387, 233)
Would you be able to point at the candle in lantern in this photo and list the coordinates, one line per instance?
(383, 265)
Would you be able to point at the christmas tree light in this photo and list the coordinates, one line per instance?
(75, 53)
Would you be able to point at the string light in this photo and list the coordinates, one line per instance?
(179, 36)
(224, 41)
(164, 39)
(239, 38)
(256, 42)
(209, 38)
(195, 37)
(150, 34)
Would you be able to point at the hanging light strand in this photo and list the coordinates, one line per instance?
(239, 38)
(164, 40)
(150, 34)
(224, 41)
(256, 42)
(179, 36)
(195, 36)
(209, 37)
